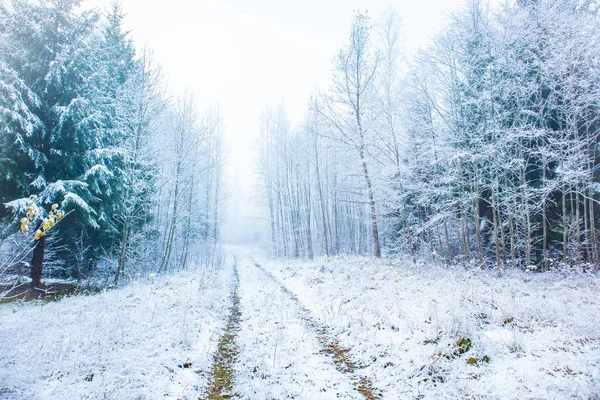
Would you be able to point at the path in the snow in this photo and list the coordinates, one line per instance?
(282, 351)
(330, 344)
(222, 375)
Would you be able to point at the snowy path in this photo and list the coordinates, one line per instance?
(279, 353)
(222, 375)
(152, 340)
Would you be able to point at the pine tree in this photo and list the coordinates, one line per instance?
(48, 85)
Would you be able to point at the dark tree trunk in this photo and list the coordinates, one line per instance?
(37, 263)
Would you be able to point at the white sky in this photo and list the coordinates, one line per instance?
(247, 55)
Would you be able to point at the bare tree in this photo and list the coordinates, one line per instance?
(352, 94)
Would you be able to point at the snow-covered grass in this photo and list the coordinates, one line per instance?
(279, 352)
(416, 331)
(150, 340)
(450, 332)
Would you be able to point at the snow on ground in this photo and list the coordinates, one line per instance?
(419, 331)
(131, 343)
(279, 354)
(446, 332)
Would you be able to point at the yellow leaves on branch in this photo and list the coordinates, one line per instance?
(25, 222)
(54, 216)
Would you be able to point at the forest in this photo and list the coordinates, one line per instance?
(480, 149)
(421, 225)
(88, 126)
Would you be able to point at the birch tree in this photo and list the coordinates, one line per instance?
(352, 94)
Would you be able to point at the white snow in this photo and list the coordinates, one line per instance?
(121, 344)
(279, 351)
(541, 332)
(417, 331)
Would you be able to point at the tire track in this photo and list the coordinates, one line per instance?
(330, 344)
(222, 377)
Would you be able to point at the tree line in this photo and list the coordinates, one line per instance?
(86, 123)
(483, 147)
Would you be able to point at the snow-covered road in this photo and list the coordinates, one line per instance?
(279, 352)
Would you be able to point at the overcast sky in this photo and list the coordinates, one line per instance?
(246, 55)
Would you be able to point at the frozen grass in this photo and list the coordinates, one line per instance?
(441, 332)
(150, 340)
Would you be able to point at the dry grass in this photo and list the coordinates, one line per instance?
(47, 293)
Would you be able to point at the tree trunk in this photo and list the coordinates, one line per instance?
(123, 255)
(527, 237)
(467, 236)
(217, 194)
(272, 219)
(336, 221)
(511, 230)
(577, 226)
(188, 228)
(502, 235)
(545, 226)
(410, 238)
(527, 222)
(164, 266)
(430, 240)
(496, 238)
(586, 230)
(322, 204)
(374, 229)
(37, 263)
(448, 248)
(478, 229)
(592, 228)
(565, 225)
(309, 222)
